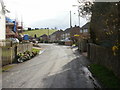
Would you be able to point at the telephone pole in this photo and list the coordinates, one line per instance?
(79, 17)
(21, 24)
(78, 14)
(70, 20)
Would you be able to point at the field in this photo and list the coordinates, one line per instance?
(39, 32)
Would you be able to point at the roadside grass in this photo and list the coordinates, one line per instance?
(35, 50)
(39, 32)
(5, 68)
(105, 76)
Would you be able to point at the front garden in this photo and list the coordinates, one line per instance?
(27, 55)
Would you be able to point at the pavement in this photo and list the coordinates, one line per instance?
(56, 66)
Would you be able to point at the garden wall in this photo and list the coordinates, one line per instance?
(8, 53)
(24, 47)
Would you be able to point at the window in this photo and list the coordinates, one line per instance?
(68, 34)
(85, 30)
(81, 31)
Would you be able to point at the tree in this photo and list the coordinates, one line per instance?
(47, 28)
(55, 28)
(36, 28)
(85, 8)
(104, 25)
(29, 29)
(35, 36)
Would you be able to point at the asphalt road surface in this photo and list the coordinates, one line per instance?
(56, 67)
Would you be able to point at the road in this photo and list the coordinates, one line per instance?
(57, 67)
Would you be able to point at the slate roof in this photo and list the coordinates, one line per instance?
(44, 35)
(67, 30)
(57, 32)
(86, 26)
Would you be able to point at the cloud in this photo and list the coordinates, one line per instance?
(36, 13)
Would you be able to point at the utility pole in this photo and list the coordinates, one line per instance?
(70, 20)
(21, 25)
(78, 14)
(48, 35)
(79, 18)
(2, 21)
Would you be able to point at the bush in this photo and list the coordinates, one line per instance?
(46, 41)
(61, 43)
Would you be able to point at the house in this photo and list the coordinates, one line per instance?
(66, 37)
(66, 34)
(75, 33)
(84, 37)
(53, 37)
(44, 37)
(74, 30)
(2, 21)
(11, 28)
(70, 33)
(84, 30)
(56, 36)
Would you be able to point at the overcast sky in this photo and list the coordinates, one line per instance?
(44, 13)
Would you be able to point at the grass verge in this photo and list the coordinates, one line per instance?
(105, 76)
(7, 67)
(35, 50)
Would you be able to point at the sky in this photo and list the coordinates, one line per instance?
(44, 13)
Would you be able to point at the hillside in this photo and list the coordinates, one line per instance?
(39, 32)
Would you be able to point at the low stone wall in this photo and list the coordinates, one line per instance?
(8, 54)
(24, 47)
(104, 56)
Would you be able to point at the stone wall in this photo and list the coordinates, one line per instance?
(21, 48)
(8, 53)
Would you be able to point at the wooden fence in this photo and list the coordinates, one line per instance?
(104, 56)
(82, 45)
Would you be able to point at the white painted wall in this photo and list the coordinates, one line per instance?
(2, 23)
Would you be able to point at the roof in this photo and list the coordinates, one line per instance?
(86, 26)
(44, 35)
(9, 20)
(67, 30)
(57, 32)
